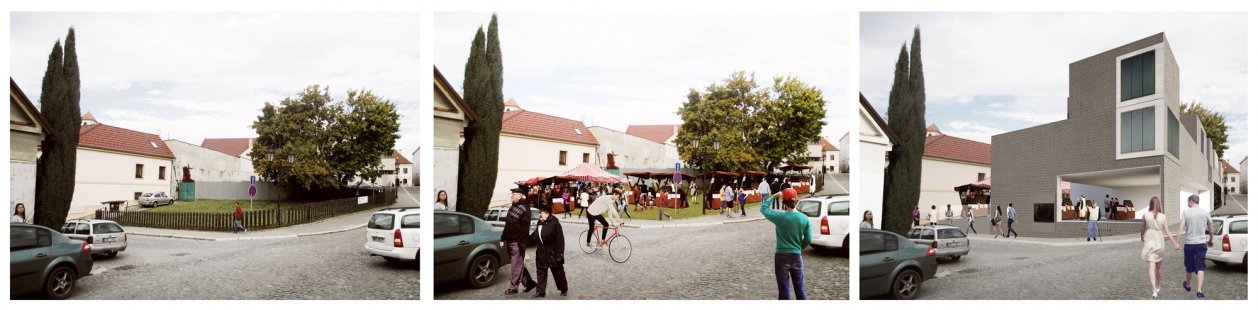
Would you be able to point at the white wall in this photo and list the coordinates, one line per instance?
(22, 158)
(445, 174)
(939, 179)
(872, 170)
(404, 177)
(208, 165)
(521, 158)
(106, 175)
(632, 152)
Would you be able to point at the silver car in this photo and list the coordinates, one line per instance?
(497, 216)
(155, 199)
(106, 237)
(948, 241)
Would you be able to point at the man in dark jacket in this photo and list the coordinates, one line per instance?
(515, 235)
(549, 255)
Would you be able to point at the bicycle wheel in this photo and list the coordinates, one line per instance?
(586, 247)
(620, 248)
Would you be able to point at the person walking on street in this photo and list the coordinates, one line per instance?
(867, 221)
(600, 211)
(623, 207)
(19, 214)
(793, 235)
(583, 200)
(1093, 215)
(917, 217)
(995, 214)
(567, 203)
(240, 219)
(1013, 217)
(515, 236)
(1153, 229)
(930, 217)
(1195, 227)
(742, 201)
(549, 254)
(968, 212)
(948, 214)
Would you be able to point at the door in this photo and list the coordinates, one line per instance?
(410, 231)
(878, 260)
(452, 243)
(28, 256)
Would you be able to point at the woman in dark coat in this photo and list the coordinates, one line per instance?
(549, 240)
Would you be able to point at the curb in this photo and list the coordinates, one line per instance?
(299, 235)
(1070, 243)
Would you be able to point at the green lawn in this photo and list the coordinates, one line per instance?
(206, 205)
(693, 211)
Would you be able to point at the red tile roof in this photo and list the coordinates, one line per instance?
(953, 148)
(230, 146)
(827, 147)
(933, 128)
(533, 124)
(1227, 168)
(123, 140)
(657, 133)
(401, 160)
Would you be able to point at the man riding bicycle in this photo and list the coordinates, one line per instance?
(600, 210)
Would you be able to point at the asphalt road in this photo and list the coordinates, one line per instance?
(730, 261)
(836, 183)
(996, 269)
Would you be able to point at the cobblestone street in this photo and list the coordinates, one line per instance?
(1001, 269)
(729, 261)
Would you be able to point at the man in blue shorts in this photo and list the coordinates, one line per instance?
(1195, 227)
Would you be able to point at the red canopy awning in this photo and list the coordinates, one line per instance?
(587, 172)
(795, 167)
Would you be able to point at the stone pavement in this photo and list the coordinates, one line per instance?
(333, 225)
(714, 218)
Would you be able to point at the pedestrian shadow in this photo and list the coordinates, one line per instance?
(830, 252)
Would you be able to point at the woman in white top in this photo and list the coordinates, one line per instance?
(868, 220)
(1153, 230)
(443, 201)
(19, 214)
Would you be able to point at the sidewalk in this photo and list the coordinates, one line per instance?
(714, 218)
(333, 225)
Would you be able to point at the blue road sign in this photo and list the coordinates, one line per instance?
(253, 190)
(253, 179)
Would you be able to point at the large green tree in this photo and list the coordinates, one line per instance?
(738, 126)
(333, 143)
(59, 104)
(906, 115)
(482, 91)
(1212, 122)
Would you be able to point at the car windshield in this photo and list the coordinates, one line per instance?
(811, 208)
(380, 221)
(839, 208)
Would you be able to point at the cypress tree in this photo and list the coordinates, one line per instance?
(478, 171)
(59, 104)
(906, 117)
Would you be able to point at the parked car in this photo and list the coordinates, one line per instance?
(465, 248)
(892, 264)
(155, 199)
(948, 241)
(828, 216)
(45, 261)
(106, 237)
(497, 216)
(394, 234)
(1231, 235)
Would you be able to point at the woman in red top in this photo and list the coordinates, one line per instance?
(240, 217)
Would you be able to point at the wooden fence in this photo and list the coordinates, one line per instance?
(260, 219)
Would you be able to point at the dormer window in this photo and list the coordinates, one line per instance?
(154, 144)
(1138, 76)
(578, 130)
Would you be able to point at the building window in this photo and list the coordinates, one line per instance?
(1137, 76)
(161, 172)
(137, 196)
(1137, 130)
(563, 158)
(982, 176)
(139, 171)
(585, 157)
(405, 170)
(1233, 179)
(1172, 134)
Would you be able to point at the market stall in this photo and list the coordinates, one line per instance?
(976, 196)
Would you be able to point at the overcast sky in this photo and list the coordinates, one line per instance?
(617, 69)
(193, 76)
(989, 73)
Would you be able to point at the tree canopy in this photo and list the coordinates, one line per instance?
(482, 91)
(59, 104)
(1212, 122)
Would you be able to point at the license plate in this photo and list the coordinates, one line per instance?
(377, 239)
(109, 239)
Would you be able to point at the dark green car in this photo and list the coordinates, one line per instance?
(892, 264)
(465, 248)
(42, 260)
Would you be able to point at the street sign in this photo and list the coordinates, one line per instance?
(362, 200)
(676, 177)
(253, 191)
(253, 179)
(677, 167)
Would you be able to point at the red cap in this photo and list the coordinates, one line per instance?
(789, 194)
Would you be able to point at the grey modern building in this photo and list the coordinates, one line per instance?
(1123, 136)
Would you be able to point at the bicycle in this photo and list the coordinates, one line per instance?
(618, 246)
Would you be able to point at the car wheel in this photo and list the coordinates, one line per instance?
(956, 258)
(906, 284)
(482, 271)
(845, 251)
(60, 282)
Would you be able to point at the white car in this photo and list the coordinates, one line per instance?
(106, 237)
(394, 234)
(1231, 240)
(828, 216)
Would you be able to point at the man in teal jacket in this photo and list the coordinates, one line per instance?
(793, 234)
